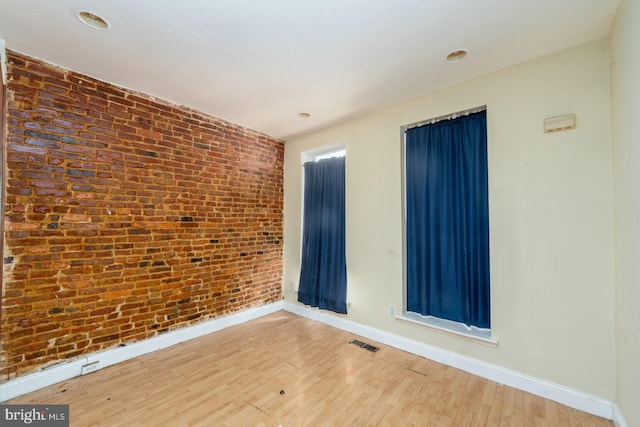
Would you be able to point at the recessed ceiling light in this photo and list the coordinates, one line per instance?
(92, 20)
(304, 115)
(456, 55)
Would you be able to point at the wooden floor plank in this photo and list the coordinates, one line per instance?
(284, 370)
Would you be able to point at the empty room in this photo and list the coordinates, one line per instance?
(336, 213)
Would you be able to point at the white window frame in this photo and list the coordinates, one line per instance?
(335, 150)
(449, 327)
(314, 155)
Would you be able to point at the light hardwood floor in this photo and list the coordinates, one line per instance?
(284, 370)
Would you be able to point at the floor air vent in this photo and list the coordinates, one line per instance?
(368, 347)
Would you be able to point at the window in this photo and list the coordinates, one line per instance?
(323, 270)
(447, 220)
(340, 152)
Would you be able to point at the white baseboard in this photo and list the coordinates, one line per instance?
(67, 370)
(567, 396)
(558, 393)
(618, 419)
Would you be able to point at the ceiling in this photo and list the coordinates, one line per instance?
(259, 63)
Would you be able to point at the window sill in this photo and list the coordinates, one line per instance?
(481, 336)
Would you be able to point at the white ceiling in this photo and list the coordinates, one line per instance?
(259, 63)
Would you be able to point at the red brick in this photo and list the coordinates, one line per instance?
(98, 179)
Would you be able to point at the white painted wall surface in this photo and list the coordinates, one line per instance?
(550, 216)
(625, 88)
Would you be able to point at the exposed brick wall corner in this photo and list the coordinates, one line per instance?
(126, 216)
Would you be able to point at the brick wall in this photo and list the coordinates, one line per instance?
(126, 217)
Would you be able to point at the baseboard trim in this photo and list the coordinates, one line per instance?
(561, 394)
(618, 419)
(558, 393)
(55, 374)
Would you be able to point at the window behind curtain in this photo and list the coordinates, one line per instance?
(323, 271)
(447, 220)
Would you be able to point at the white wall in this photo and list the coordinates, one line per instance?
(625, 87)
(550, 217)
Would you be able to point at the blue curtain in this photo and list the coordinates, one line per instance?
(323, 273)
(447, 214)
